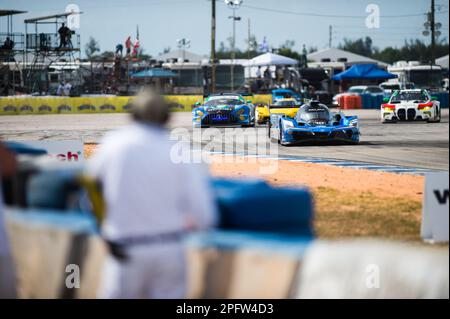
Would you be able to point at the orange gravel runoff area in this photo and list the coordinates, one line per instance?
(349, 202)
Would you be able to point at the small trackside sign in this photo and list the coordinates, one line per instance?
(70, 151)
(435, 208)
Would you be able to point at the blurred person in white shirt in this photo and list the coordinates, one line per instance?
(7, 273)
(67, 88)
(151, 203)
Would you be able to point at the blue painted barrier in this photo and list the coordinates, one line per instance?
(366, 100)
(243, 205)
(23, 149)
(73, 221)
(371, 101)
(237, 240)
(254, 205)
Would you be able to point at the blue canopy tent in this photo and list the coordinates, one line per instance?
(154, 73)
(364, 72)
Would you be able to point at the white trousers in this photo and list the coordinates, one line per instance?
(153, 272)
(7, 278)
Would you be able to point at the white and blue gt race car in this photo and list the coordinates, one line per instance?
(314, 124)
(410, 105)
(224, 110)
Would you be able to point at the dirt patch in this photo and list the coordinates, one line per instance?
(89, 150)
(318, 175)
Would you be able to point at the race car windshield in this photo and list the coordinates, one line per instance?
(315, 114)
(220, 102)
(285, 95)
(285, 104)
(391, 86)
(355, 90)
(409, 96)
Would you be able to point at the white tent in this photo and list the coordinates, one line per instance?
(268, 59)
(443, 61)
(333, 55)
(179, 54)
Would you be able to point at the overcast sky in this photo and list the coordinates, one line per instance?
(162, 22)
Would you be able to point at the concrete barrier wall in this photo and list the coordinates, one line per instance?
(44, 243)
(220, 264)
(234, 264)
(98, 104)
(364, 269)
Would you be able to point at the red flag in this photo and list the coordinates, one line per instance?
(136, 47)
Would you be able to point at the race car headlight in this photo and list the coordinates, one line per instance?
(199, 113)
(354, 123)
(288, 124)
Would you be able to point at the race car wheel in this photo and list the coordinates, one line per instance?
(280, 138)
(437, 116)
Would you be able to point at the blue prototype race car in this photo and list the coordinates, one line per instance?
(224, 109)
(314, 123)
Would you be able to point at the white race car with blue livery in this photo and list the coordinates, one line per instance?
(223, 110)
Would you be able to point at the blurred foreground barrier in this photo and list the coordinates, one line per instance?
(48, 247)
(233, 265)
(254, 205)
(374, 269)
(230, 264)
(256, 255)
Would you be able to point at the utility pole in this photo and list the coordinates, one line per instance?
(213, 46)
(433, 36)
(234, 5)
(233, 49)
(330, 38)
(432, 29)
(249, 38)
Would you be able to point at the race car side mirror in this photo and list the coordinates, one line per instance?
(198, 104)
(434, 98)
(386, 100)
(249, 101)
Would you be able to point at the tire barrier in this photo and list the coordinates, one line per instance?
(371, 101)
(443, 98)
(17, 105)
(350, 102)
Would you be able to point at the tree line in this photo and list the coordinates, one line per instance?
(411, 50)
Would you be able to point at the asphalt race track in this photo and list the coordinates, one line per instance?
(417, 144)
